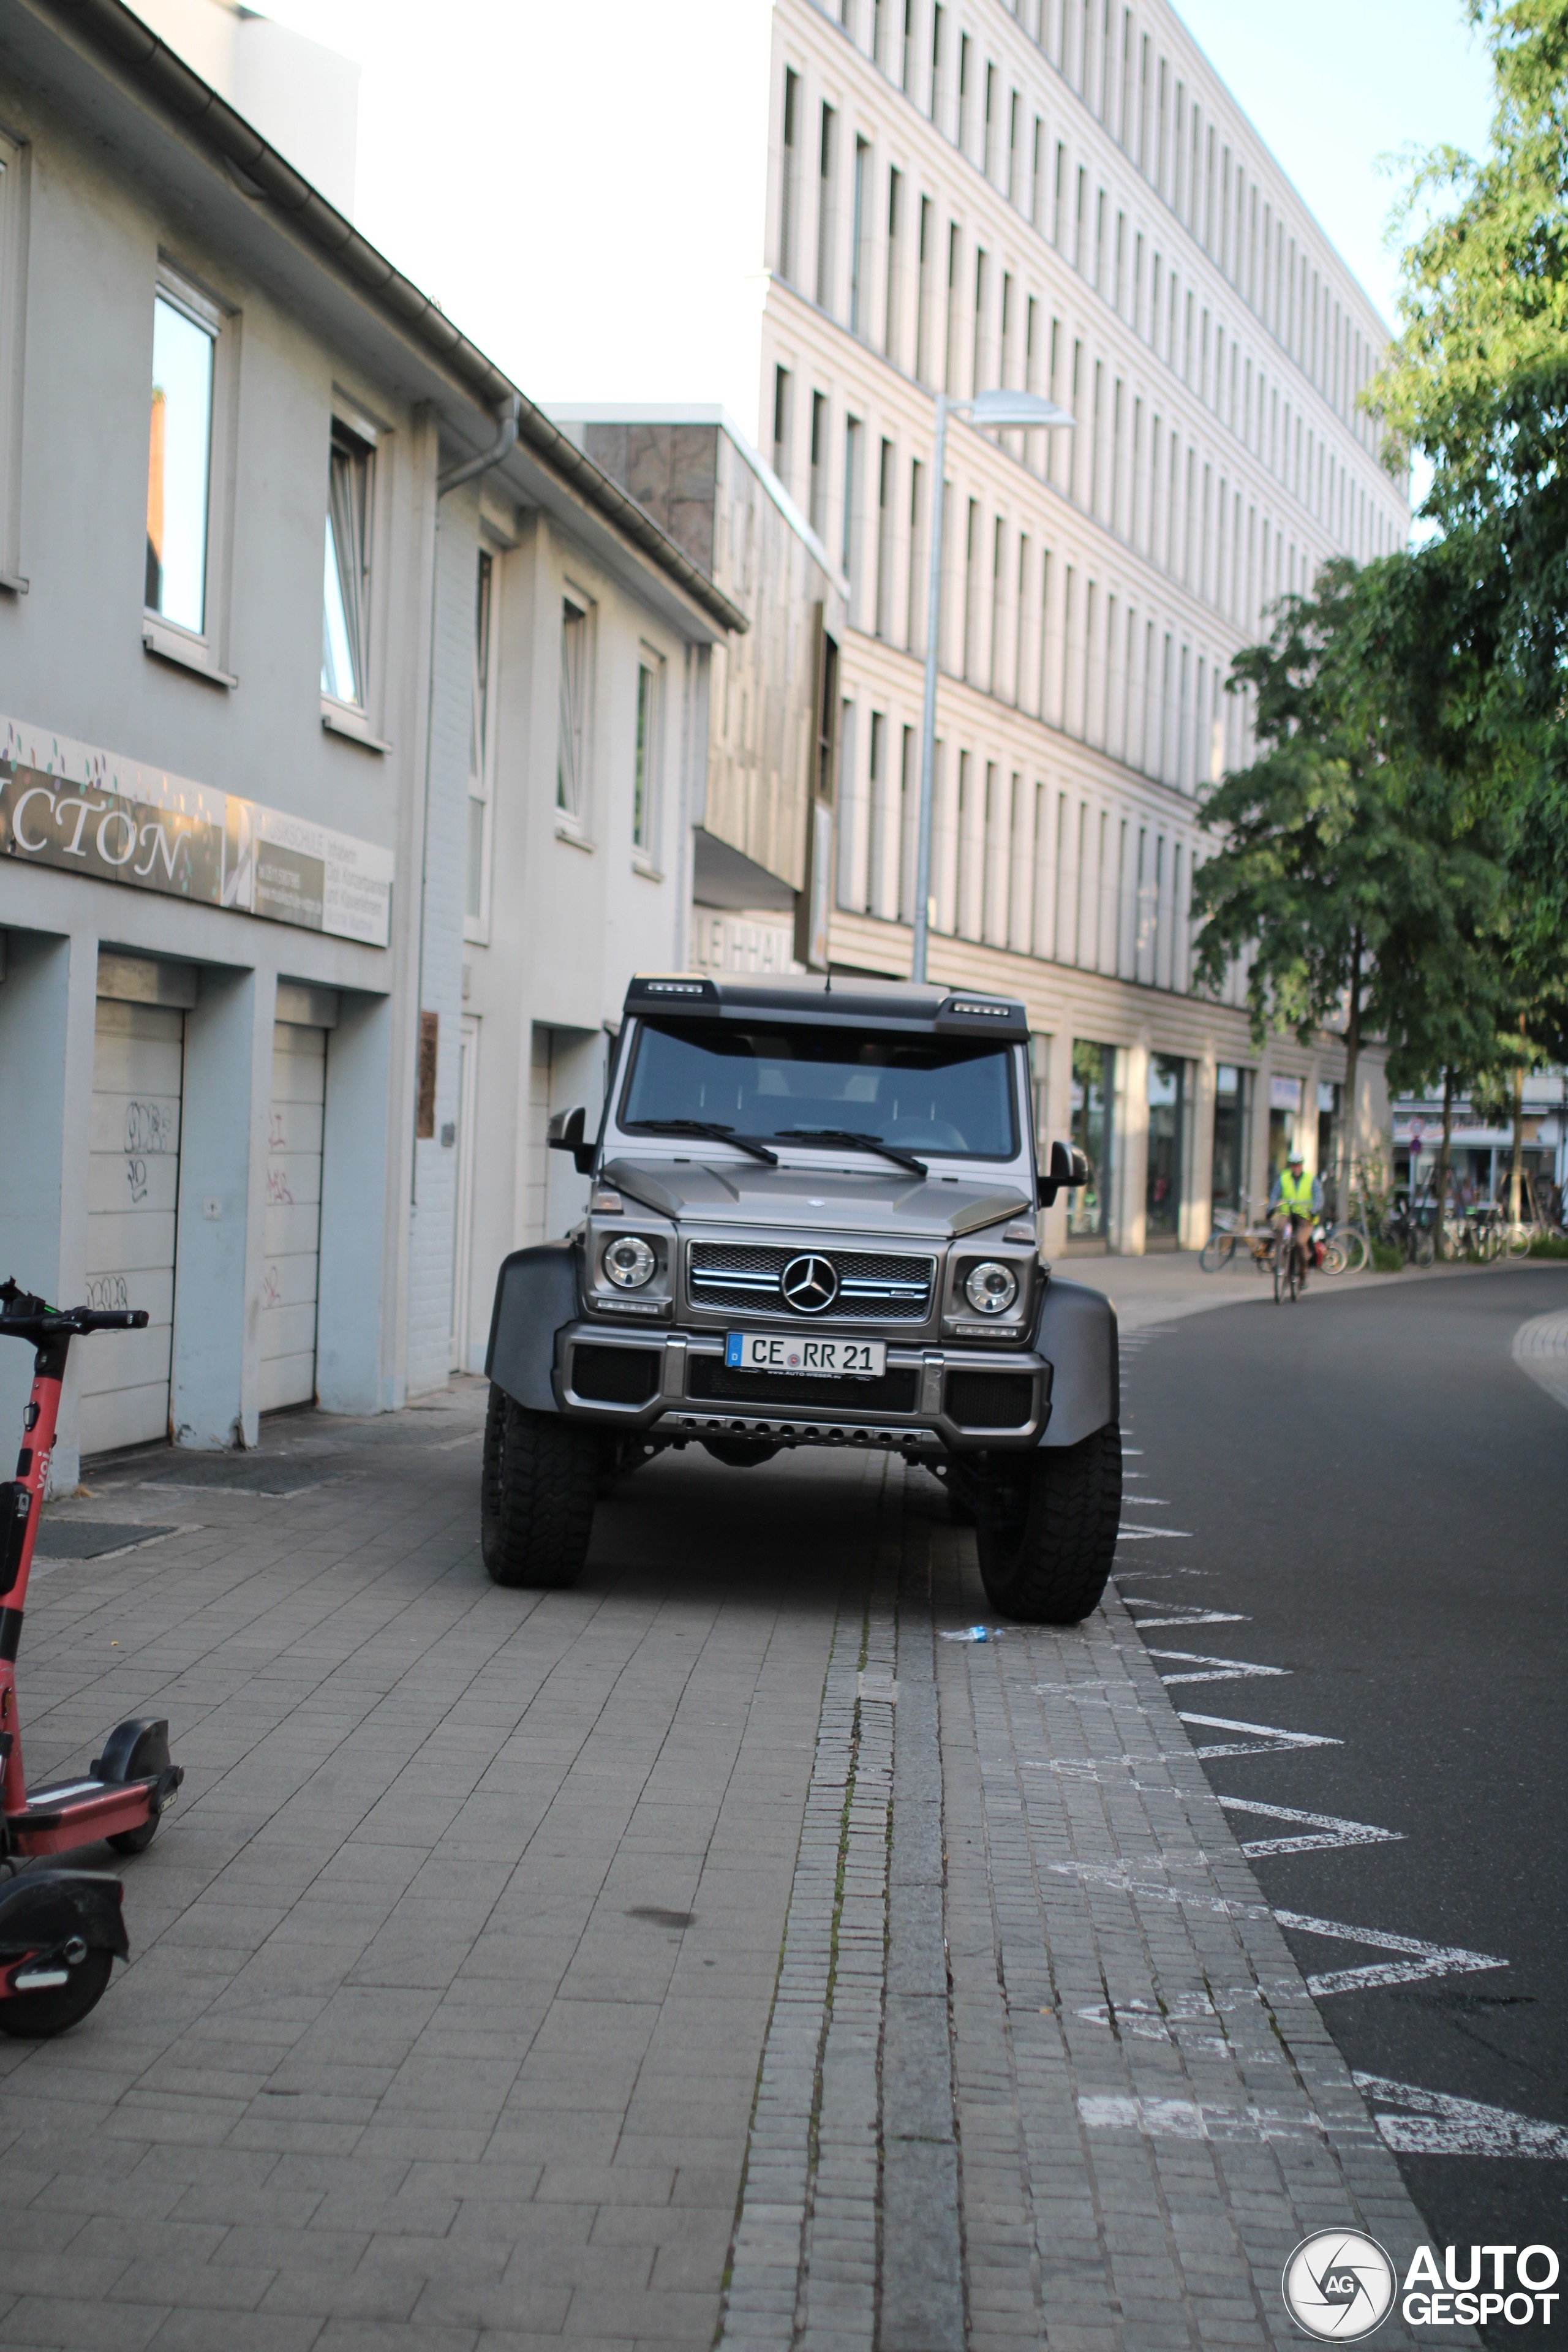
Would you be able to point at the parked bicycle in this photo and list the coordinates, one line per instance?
(1408, 1228)
(1231, 1232)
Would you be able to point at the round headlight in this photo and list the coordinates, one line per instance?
(628, 1262)
(991, 1288)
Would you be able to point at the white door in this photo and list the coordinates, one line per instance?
(132, 1199)
(292, 1233)
(463, 1218)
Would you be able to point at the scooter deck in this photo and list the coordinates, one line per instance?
(80, 1812)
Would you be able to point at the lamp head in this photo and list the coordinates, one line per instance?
(1026, 408)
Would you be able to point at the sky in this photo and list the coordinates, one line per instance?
(585, 283)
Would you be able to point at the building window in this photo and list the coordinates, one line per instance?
(791, 175)
(858, 239)
(476, 901)
(179, 462)
(848, 564)
(882, 617)
(892, 292)
(818, 487)
(644, 773)
(346, 589)
(13, 252)
(781, 423)
(825, 223)
(570, 795)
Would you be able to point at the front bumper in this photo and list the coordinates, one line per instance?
(678, 1385)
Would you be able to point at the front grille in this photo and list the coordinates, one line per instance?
(614, 1375)
(990, 1400)
(711, 1379)
(874, 1287)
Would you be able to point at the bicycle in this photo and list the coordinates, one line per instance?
(1411, 1235)
(1289, 1264)
(1346, 1249)
(1233, 1231)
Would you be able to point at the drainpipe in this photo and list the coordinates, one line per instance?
(505, 440)
(454, 476)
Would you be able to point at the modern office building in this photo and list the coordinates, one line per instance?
(1063, 195)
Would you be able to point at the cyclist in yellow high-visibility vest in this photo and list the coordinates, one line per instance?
(1299, 1197)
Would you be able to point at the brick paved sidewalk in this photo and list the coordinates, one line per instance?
(711, 1946)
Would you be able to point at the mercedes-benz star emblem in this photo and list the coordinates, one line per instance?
(809, 1284)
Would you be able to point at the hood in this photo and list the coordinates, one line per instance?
(865, 1199)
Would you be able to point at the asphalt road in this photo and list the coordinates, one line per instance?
(1382, 1497)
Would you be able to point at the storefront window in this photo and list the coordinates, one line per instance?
(1284, 1122)
(1232, 1136)
(1329, 1140)
(1040, 1079)
(1167, 1096)
(1093, 1128)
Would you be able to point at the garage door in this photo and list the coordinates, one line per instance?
(132, 1195)
(291, 1238)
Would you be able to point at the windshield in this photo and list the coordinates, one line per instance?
(949, 1095)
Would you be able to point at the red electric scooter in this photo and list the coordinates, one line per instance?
(60, 1930)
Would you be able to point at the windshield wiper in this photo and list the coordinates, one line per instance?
(852, 1135)
(711, 1128)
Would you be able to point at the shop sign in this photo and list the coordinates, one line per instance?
(83, 810)
(1284, 1094)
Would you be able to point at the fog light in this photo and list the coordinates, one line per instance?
(628, 1262)
(990, 1287)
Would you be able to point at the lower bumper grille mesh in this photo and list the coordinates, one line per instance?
(709, 1379)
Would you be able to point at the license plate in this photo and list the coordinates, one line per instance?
(792, 1352)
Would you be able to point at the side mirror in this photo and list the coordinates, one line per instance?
(1069, 1170)
(565, 1134)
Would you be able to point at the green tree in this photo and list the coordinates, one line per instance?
(1356, 870)
(1477, 380)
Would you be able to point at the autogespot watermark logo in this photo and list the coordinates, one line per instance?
(1339, 2286)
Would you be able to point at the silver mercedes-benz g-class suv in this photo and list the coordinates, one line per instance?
(811, 1221)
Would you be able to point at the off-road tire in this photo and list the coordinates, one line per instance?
(538, 1483)
(1048, 1565)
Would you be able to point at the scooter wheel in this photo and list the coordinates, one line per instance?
(135, 1752)
(135, 1841)
(35, 2016)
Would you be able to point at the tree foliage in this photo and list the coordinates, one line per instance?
(1355, 873)
(1393, 861)
(1477, 380)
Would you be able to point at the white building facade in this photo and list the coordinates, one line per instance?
(322, 664)
(1066, 198)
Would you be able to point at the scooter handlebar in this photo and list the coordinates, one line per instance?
(24, 1317)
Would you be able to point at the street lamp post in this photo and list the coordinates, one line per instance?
(1004, 408)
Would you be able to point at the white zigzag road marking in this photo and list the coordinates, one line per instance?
(1184, 1613)
(1440, 2124)
(1264, 1738)
(1323, 1830)
(1207, 2119)
(1217, 1669)
(1417, 1960)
